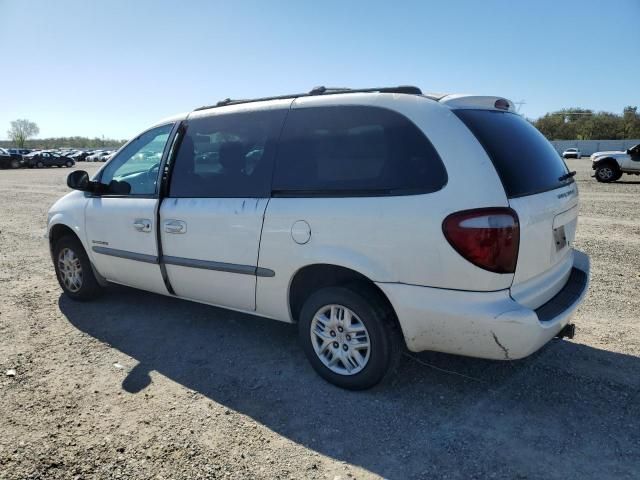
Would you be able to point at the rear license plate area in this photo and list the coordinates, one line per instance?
(559, 238)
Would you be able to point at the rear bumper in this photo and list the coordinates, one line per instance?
(484, 324)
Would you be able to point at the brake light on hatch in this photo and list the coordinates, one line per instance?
(502, 104)
(487, 237)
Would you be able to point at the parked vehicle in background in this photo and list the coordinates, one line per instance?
(9, 161)
(97, 156)
(79, 156)
(19, 151)
(17, 158)
(47, 159)
(571, 153)
(367, 217)
(610, 166)
(108, 156)
(92, 155)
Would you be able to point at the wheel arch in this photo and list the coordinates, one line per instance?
(59, 230)
(607, 160)
(312, 277)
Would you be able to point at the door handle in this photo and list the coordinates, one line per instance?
(142, 224)
(175, 226)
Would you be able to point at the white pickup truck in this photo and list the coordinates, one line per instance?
(610, 166)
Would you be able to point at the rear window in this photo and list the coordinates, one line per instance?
(525, 161)
(357, 151)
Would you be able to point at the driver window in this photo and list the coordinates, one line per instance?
(134, 170)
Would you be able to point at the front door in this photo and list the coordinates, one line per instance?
(120, 223)
(211, 221)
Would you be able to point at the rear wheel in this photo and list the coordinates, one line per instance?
(73, 269)
(15, 163)
(40, 165)
(349, 336)
(69, 164)
(608, 173)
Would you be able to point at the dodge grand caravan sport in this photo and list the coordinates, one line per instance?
(375, 219)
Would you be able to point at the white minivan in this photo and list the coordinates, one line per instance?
(375, 219)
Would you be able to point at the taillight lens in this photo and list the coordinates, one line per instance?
(487, 237)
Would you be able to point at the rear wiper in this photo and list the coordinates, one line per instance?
(566, 176)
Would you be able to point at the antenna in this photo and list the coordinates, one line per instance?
(519, 104)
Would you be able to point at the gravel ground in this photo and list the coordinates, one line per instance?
(137, 385)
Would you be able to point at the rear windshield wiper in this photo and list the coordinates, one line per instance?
(566, 176)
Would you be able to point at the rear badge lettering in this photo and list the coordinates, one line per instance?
(568, 193)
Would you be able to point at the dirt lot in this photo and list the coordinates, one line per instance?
(137, 385)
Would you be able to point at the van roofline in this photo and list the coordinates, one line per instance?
(405, 89)
(453, 101)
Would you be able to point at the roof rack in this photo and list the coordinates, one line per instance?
(321, 90)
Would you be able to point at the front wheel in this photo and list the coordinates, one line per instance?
(69, 164)
(73, 269)
(40, 165)
(349, 336)
(607, 173)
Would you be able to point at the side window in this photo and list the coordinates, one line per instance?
(355, 150)
(227, 155)
(134, 170)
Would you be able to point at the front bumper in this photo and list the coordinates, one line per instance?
(484, 324)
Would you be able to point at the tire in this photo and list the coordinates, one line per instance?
(372, 364)
(608, 173)
(40, 165)
(69, 164)
(73, 270)
(15, 163)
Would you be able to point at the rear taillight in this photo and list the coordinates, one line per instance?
(487, 237)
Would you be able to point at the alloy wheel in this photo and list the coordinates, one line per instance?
(70, 269)
(605, 173)
(340, 339)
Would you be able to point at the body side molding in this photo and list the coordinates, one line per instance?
(187, 262)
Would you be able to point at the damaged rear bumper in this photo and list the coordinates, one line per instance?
(484, 324)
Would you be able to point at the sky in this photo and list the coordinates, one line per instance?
(112, 68)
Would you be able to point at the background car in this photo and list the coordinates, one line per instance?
(7, 160)
(108, 157)
(95, 155)
(571, 153)
(79, 156)
(48, 159)
(609, 166)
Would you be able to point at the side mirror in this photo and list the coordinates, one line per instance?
(79, 180)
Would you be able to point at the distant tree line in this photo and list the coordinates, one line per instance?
(583, 124)
(566, 124)
(66, 142)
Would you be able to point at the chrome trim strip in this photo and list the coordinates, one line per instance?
(113, 252)
(218, 266)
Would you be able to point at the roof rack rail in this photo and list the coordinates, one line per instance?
(321, 90)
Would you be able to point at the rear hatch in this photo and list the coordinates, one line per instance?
(545, 198)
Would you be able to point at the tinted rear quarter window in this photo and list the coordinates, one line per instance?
(525, 161)
(354, 150)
